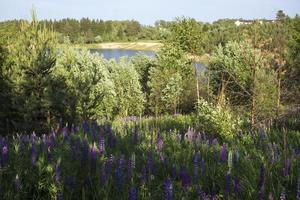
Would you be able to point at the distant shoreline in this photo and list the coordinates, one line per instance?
(140, 45)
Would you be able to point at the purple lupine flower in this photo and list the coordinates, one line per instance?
(133, 194)
(34, 154)
(185, 178)
(59, 196)
(84, 152)
(57, 172)
(237, 187)
(130, 169)
(108, 164)
(201, 193)
(86, 127)
(122, 162)
(261, 183)
(144, 175)
(196, 162)
(298, 188)
(112, 140)
(119, 179)
(287, 166)
(65, 133)
(227, 184)
(4, 156)
(93, 154)
(168, 186)
(189, 134)
(160, 142)
(215, 142)
(103, 177)
(150, 163)
(17, 184)
(173, 172)
(224, 153)
(102, 145)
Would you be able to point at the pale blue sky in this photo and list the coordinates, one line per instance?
(147, 12)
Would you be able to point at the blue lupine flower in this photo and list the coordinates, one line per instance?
(103, 177)
(144, 175)
(168, 186)
(173, 172)
(160, 142)
(108, 164)
(57, 172)
(119, 179)
(102, 145)
(237, 186)
(129, 169)
(93, 158)
(185, 178)
(223, 153)
(261, 183)
(86, 127)
(227, 184)
(17, 184)
(298, 189)
(133, 194)
(196, 162)
(34, 154)
(201, 193)
(4, 156)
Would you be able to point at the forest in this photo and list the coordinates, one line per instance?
(75, 125)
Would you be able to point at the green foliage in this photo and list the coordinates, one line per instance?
(88, 82)
(217, 120)
(129, 96)
(171, 62)
(32, 56)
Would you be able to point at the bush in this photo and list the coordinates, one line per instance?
(217, 120)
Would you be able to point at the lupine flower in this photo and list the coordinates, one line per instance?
(34, 154)
(168, 189)
(160, 142)
(223, 153)
(230, 162)
(86, 127)
(4, 156)
(119, 179)
(173, 172)
(84, 152)
(108, 164)
(133, 193)
(196, 162)
(201, 193)
(261, 182)
(144, 175)
(130, 169)
(17, 184)
(57, 172)
(93, 158)
(65, 133)
(103, 177)
(150, 163)
(185, 178)
(102, 145)
(237, 186)
(287, 166)
(298, 189)
(227, 184)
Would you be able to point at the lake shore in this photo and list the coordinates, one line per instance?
(140, 45)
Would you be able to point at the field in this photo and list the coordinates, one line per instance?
(134, 159)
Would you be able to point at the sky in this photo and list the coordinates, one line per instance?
(147, 12)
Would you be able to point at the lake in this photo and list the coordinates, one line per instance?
(118, 53)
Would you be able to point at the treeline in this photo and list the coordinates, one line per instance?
(86, 30)
(252, 76)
